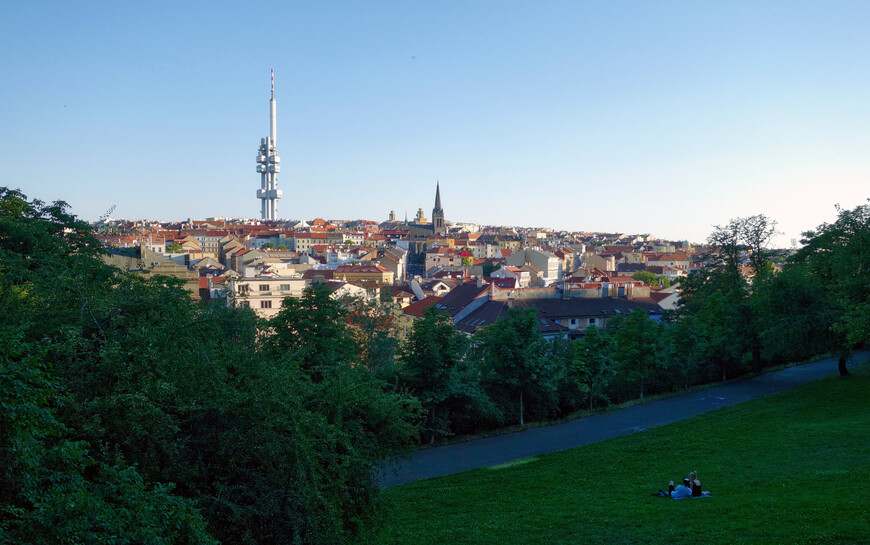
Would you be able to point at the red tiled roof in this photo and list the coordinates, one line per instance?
(658, 297)
(311, 234)
(327, 274)
(676, 256)
(416, 309)
(623, 280)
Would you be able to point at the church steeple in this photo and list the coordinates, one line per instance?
(438, 212)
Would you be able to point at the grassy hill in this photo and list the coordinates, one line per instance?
(789, 468)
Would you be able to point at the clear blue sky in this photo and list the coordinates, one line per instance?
(661, 116)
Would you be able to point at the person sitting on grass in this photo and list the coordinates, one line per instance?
(678, 492)
(695, 485)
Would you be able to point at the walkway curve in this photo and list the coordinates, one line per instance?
(441, 461)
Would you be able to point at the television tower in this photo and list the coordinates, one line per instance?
(269, 165)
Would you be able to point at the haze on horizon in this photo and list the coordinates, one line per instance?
(663, 118)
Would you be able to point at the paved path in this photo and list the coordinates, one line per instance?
(440, 461)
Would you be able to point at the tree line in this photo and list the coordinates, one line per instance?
(132, 414)
(738, 314)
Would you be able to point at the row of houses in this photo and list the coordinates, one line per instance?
(259, 264)
(559, 312)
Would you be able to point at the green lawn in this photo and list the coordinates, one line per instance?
(789, 468)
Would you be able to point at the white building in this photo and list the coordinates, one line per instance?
(265, 294)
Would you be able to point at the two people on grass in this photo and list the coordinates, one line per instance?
(680, 491)
(691, 487)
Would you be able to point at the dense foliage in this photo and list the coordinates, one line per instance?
(132, 415)
(435, 370)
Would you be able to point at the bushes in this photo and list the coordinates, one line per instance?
(132, 414)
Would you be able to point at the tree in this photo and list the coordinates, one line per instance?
(637, 347)
(373, 326)
(174, 248)
(724, 337)
(513, 351)
(723, 263)
(651, 279)
(756, 232)
(434, 369)
(838, 254)
(54, 486)
(685, 342)
(742, 238)
(593, 366)
(156, 413)
(312, 330)
(796, 315)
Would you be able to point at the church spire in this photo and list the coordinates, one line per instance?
(438, 212)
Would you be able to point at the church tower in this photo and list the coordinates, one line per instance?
(438, 212)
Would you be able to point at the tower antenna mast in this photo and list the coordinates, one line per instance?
(269, 164)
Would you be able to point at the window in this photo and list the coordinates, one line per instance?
(592, 321)
(285, 287)
(264, 287)
(573, 321)
(265, 304)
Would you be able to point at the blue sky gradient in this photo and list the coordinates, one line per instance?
(662, 117)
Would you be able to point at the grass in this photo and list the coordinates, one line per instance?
(789, 468)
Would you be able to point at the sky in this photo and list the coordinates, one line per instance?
(661, 117)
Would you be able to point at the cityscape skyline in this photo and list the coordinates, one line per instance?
(664, 119)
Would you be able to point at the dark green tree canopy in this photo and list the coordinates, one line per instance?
(513, 352)
(132, 415)
(838, 255)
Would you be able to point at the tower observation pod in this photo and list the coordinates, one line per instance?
(269, 165)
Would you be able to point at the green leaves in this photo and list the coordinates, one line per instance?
(51, 488)
(160, 421)
(638, 350)
(312, 330)
(838, 255)
(514, 354)
(651, 279)
(433, 369)
(593, 366)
